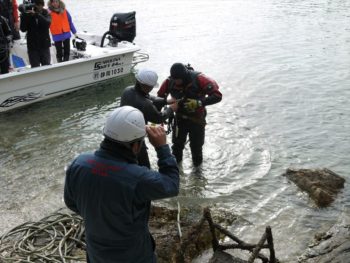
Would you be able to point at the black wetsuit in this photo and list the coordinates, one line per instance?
(135, 97)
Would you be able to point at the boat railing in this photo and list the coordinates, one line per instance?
(139, 57)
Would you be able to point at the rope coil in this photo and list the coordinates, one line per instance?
(52, 239)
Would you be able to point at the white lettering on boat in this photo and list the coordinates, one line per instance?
(108, 73)
(108, 68)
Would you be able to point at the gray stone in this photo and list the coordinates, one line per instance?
(322, 185)
(333, 246)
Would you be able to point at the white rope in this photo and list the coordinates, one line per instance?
(178, 219)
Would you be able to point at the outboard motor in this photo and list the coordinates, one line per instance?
(122, 27)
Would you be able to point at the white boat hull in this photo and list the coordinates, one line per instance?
(27, 86)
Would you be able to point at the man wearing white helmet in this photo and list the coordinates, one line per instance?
(139, 97)
(113, 193)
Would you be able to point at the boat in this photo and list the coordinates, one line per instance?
(93, 59)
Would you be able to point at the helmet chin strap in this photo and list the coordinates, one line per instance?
(136, 147)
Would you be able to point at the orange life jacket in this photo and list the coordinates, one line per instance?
(59, 23)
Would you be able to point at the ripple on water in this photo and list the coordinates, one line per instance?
(283, 68)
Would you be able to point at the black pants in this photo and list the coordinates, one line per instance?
(196, 133)
(4, 64)
(39, 58)
(62, 50)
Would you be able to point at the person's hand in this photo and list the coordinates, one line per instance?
(174, 106)
(171, 100)
(30, 12)
(156, 135)
(191, 105)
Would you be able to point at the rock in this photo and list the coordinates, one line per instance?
(322, 185)
(333, 246)
(223, 257)
(196, 236)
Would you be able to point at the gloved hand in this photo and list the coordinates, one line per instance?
(191, 104)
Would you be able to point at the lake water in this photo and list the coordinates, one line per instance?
(283, 68)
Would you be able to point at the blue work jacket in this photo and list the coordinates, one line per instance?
(113, 195)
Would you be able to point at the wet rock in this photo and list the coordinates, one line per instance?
(223, 257)
(322, 185)
(196, 236)
(332, 246)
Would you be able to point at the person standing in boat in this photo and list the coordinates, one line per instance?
(5, 38)
(138, 96)
(113, 193)
(61, 28)
(36, 22)
(194, 91)
(9, 10)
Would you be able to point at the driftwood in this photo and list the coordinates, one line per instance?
(254, 248)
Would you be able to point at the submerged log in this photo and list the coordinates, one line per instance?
(322, 185)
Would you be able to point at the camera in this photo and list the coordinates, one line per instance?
(26, 6)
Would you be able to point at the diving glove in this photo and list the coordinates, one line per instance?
(191, 105)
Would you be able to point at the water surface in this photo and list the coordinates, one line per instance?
(283, 69)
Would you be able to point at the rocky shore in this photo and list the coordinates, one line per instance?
(183, 235)
(332, 246)
(323, 186)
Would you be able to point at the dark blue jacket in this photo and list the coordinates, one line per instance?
(113, 195)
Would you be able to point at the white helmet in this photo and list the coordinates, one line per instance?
(125, 124)
(147, 77)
